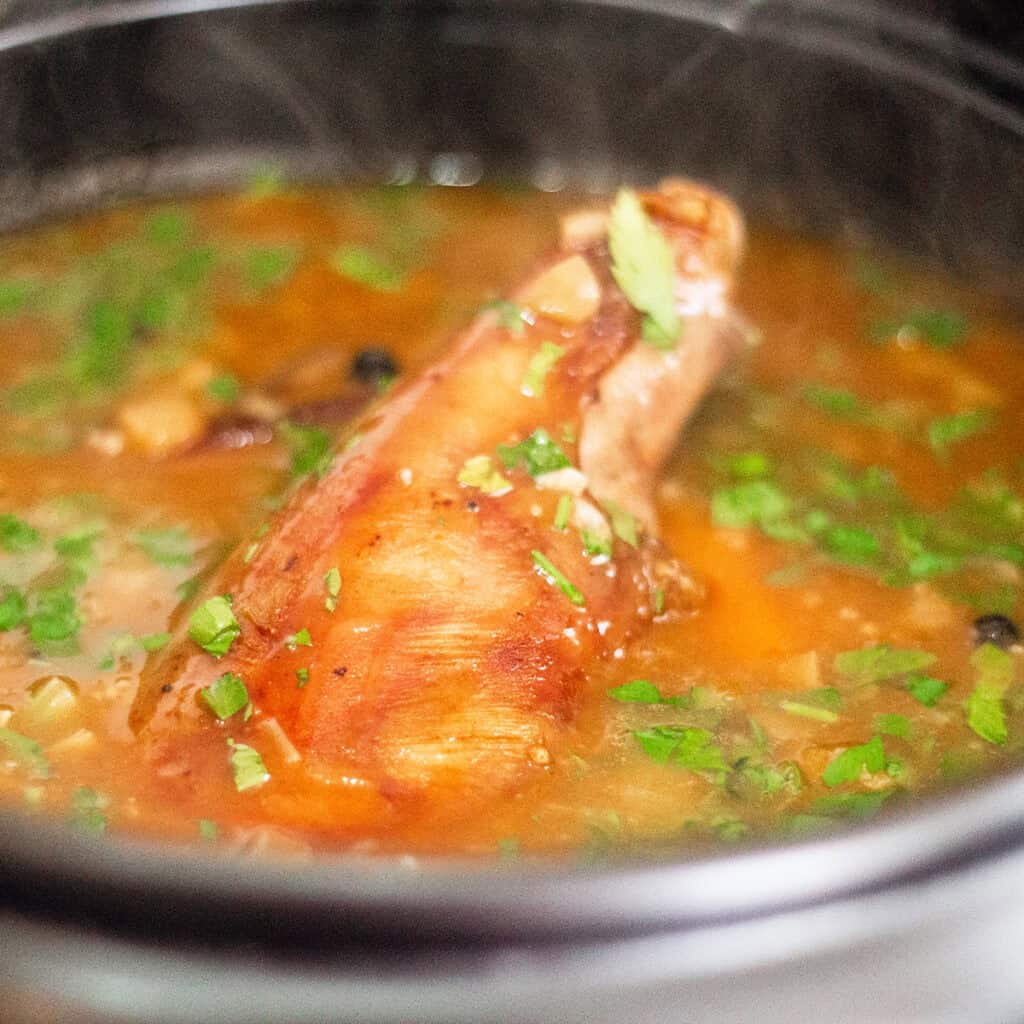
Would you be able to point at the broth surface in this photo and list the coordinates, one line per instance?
(850, 497)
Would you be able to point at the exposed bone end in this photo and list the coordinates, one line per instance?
(567, 292)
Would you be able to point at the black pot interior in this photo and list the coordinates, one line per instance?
(848, 121)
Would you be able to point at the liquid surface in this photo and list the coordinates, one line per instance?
(849, 499)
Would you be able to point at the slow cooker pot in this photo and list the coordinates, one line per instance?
(846, 119)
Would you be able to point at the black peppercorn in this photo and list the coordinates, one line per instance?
(374, 366)
(995, 629)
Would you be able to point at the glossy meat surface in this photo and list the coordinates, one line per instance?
(451, 654)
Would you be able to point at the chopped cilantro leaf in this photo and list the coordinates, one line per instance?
(644, 268)
(753, 502)
(510, 316)
(848, 766)
(310, 448)
(14, 296)
(17, 536)
(26, 752)
(479, 471)
(368, 268)
(332, 583)
(226, 696)
(748, 465)
(300, 639)
(877, 664)
(87, 808)
(851, 544)
(169, 226)
(265, 267)
(302, 675)
(537, 452)
(949, 430)
(170, 547)
(986, 714)
(851, 805)
(247, 766)
(13, 608)
(54, 617)
(541, 364)
(154, 641)
(935, 327)
(558, 579)
(926, 689)
(188, 589)
(224, 387)
(213, 625)
(687, 747)
(641, 691)
(563, 512)
(893, 725)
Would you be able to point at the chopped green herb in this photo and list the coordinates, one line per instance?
(949, 430)
(264, 268)
(877, 664)
(852, 762)
(539, 367)
(13, 608)
(641, 691)
(562, 513)
(687, 747)
(479, 472)
(300, 639)
(302, 674)
(851, 544)
(54, 617)
(659, 600)
(596, 545)
(510, 316)
(368, 268)
(935, 327)
(986, 714)
(893, 725)
(644, 268)
(169, 226)
(812, 711)
(624, 524)
(753, 502)
(17, 536)
(223, 387)
(213, 625)
(332, 582)
(170, 547)
(555, 577)
(188, 589)
(26, 752)
(209, 831)
(748, 465)
(537, 452)
(87, 808)
(926, 689)
(154, 641)
(851, 805)
(14, 296)
(226, 696)
(310, 448)
(247, 766)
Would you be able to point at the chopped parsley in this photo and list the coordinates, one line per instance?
(750, 503)
(690, 748)
(226, 696)
(926, 689)
(881, 663)
(510, 315)
(13, 608)
(332, 583)
(852, 762)
(938, 328)
(17, 536)
(310, 448)
(224, 388)
(267, 267)
(300, 639)
(479, 471)
(368, 268)
(949, 430)
(302, 675)
(53, 617)
(644, 268)
(247, 767)
(540, 365)
(642, 691)
(213, 625)
(538, 453)
(556, 578)
(26, 752)
(994, 673)
(167, 547)
(893, 725)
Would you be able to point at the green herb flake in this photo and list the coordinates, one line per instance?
(641, 691)
(267, 267)
(690, 748)
(87, 806)
(748, 465)
(154, 641)
(510, 315)
(247, 767)
(169, 226)
(13, 608)
(26, 752)
(644, 268)
(15, 296)
(938, 328)
(332, 583)
(563, 512)
(169, 548)
(851, 805)
(226, 696)
(596, 545)
(302, 675)
(994, 673)
(17, 536)
(538, 452)
(926, 689)
(811, 711)
(851, 763)
(893, 725)
(54, 617)
(949, 430)
(878, 664)
(368, 268)
(188, 589)
(300, 639)
(624, 524)
(213, 625)
(479, 472)
(224, 387)
(209, 831)
(310, 448)
(540, 365)
(556, 578)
